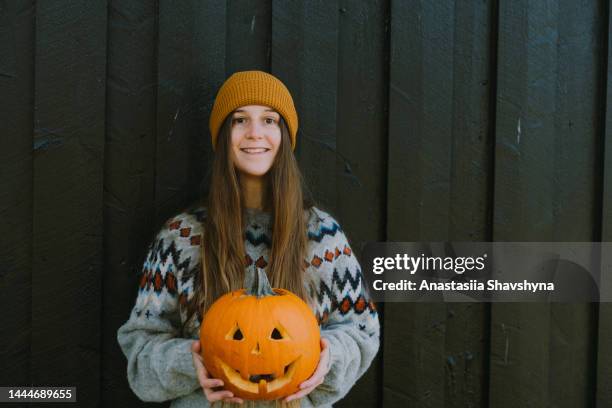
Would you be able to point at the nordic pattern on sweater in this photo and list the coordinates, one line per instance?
(346, 316)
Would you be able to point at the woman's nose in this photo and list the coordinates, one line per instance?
(255, 130)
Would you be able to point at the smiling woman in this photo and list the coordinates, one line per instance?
(255, 216)
(256, 136)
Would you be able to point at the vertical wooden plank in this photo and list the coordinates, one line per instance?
(438, 189)
(249, 30)
(361, 146)
(529, 369)
(174, 105)
(68, 192)
(129, 177)
(467, 324)
(604, 346)
(414, 333)
(578, 130)
(16, 115)
(305, 58)
(546, 139)
(191, 69)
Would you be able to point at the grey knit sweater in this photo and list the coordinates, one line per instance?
(159, 361)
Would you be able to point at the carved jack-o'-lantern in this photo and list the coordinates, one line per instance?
(262, 342)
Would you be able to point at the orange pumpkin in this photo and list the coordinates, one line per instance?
(262, 342)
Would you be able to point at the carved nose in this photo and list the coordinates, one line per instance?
(256, 349)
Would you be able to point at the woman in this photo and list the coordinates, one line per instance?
(256, 214)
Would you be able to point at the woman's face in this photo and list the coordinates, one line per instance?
(255, 139)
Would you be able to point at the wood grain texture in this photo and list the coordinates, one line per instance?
(17, 117)
(68, 167)
(361, 147)
(249, 35)
(419, 120)
(305, 58)
(327, 52)
(545, 183)
(439, 187)
(604, 333)
(129, 178)
(191, 68)
(467, 324)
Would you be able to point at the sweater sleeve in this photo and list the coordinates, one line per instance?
(159, 361)
(349, 320)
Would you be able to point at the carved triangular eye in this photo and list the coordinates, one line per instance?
(276, 335)
(238, 335)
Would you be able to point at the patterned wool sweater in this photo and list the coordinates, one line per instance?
(160, 365)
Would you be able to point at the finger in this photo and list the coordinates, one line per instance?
(324, 347)
(304, 392)
(205, 371)
(213, 396)
(201, 373)
(299, 394)
(325, 366)
(235, 399)
(311, 381)
(196, 348)
(322, 369)
(197, 358)
(195, 352)
(324, 343)
(198, 363)
(211, 383)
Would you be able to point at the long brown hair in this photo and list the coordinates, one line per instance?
(223, 252)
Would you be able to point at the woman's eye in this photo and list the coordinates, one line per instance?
(238, 120)
(270, 121)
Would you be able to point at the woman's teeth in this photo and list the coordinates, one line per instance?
(254, 150)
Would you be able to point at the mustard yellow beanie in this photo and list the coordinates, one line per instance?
(253, 88)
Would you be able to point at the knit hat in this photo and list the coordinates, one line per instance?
(253, 88)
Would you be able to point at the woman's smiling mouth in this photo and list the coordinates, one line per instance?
(254, 150)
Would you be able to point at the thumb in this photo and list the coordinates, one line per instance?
(195, 346)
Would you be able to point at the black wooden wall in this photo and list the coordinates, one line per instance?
(419, 120)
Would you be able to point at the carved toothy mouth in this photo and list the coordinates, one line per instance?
(259, 383)
(256, 378)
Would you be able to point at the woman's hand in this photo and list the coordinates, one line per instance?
(208, 383)
(317, 377)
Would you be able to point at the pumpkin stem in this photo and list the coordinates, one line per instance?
(257, 284)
